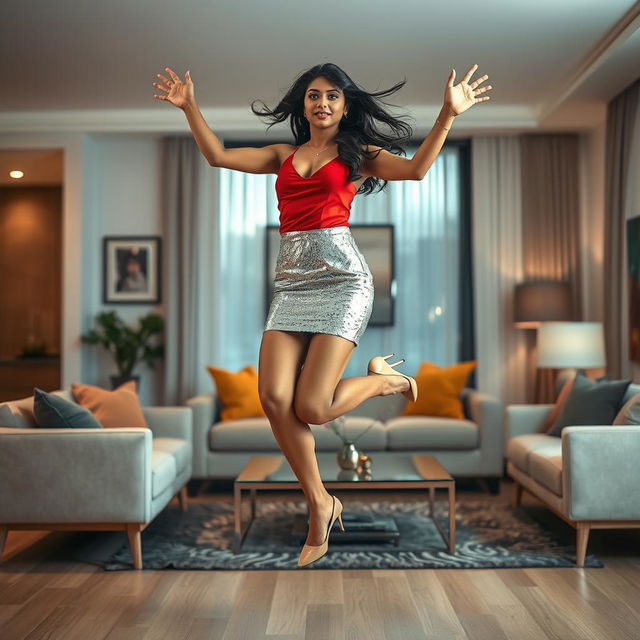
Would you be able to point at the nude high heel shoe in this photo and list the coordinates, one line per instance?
(379, 365)
(310, 553)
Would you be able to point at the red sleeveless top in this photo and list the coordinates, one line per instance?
(321, 200)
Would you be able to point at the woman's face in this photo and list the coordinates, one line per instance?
(322, 96)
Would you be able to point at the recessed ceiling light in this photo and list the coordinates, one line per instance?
(16, 174)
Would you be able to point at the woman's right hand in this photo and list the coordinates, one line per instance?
(176, 92)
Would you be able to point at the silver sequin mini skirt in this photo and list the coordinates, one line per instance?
(322, 284)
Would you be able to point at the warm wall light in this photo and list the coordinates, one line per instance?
(571, 344)
(541, 301)
(16, 173)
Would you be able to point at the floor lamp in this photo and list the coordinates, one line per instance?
(537, 302)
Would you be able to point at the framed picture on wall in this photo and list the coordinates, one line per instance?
(375, 242)
(131, 269)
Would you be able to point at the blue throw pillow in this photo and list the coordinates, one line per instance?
(7, 419)
(50, 410)
(590, 403)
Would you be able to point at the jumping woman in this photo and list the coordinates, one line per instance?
(323, 288)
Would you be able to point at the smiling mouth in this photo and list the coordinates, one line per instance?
(321, 114)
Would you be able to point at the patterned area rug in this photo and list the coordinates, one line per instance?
(490, 534)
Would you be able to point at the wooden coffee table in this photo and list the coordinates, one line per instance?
(399, 471)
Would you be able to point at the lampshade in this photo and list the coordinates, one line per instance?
(541, 301)
(571, 344)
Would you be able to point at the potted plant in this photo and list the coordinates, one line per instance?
(128, 346)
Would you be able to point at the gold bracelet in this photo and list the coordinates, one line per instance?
(440, 123)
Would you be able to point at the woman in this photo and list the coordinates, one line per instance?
(323, 289)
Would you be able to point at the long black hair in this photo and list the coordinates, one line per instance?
(356, 130)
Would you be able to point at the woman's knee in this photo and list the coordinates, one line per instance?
(275, 402)
(308, 410)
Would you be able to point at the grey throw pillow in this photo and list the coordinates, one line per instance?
(630, 413)
(51, 410)
(7, 418)
(590, 403)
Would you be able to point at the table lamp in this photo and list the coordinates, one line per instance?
(571, 344)
(578, 345)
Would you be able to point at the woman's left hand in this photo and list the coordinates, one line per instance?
(463, 95)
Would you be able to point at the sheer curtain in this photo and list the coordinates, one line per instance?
(498, 265)
(426, 217)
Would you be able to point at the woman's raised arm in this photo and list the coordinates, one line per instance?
(249, 159)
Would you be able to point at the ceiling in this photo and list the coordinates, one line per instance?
(73, 65)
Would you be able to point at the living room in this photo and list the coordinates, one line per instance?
(145, 488)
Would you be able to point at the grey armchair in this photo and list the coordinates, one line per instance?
(588, 477)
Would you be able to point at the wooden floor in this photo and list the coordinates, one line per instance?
(45, 593)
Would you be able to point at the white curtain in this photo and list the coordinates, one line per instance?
(426, 218)
(190, 274)
(501, 349)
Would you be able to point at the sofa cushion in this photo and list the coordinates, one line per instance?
(557, 407)
(439, 390)
(179, 449)
(117, 408)
(546, 466)
(520, 448)
(245, 434)
(630, 412)
(426, 432)
(8, 418)
(255, 434)
(632, 390)
(51, 410)
(355, 428)
(163, 471)
(590, 403)
(23, 408)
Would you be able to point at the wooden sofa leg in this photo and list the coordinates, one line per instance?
(135, 544)
(582, 539)
(517, 495)
(4, 532)
(183, 498)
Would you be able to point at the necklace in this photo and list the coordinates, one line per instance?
(319, 152)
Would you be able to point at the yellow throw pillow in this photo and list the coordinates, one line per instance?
(238, 392)
(439, 389)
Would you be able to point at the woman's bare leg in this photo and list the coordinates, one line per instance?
(282, 354)
(322, 396)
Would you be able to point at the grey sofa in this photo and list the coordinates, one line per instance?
(473, 446)
(589, 476)
(93, 479)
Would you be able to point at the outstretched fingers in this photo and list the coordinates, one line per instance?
(173, 75)
(469, 73)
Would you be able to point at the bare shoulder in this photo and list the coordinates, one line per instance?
(265, 159)
(284, 150)
(365, 167)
